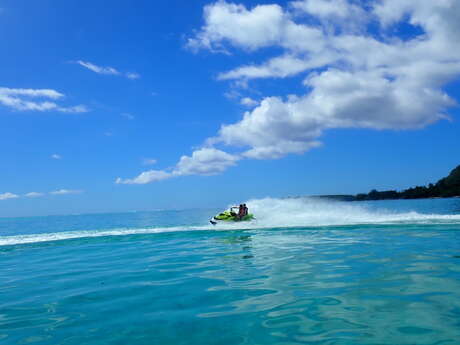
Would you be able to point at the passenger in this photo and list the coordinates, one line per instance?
(241, 212)
(246, 210)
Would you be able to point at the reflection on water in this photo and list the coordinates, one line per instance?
(243, 241)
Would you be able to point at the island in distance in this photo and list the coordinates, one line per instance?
(445, 188)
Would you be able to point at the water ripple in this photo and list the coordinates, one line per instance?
(342, 286)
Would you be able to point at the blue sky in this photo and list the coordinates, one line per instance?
(157, 105)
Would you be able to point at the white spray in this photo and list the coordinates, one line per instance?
(322, 212)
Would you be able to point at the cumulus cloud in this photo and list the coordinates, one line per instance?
(231, 22)
(328, 8)
(56, 156)
(356, 72)
(66, 191)
(204, 161)
(146, 177)
(34, 195)
(107, 70)
(353, 78)
(28, 100)
(334, 15)
(8, 195)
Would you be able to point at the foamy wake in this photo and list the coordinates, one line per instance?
(270, 213)
(320, 212)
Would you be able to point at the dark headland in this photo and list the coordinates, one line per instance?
(445, 188)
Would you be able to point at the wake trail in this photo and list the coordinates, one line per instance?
(321, 212)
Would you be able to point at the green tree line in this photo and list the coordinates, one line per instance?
(446, 187)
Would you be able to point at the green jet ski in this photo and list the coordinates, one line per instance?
(231, 216)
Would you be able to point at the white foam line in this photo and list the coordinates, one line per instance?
(59, 236)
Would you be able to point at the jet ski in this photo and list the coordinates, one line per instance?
(230, 216)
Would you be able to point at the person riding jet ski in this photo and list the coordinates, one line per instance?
(242, 211)
(231, 216)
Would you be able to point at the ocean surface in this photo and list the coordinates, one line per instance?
(306, 271)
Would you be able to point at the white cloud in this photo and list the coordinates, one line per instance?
(132, 75)
(439, 19)
(262, 26)
(339, 99)
(280, 149)
(56, 156)
(273, 129)
(325, 8)
(231, 22)
(46, 93)
(6, 196)
(34, 195)
(354, 79)
(279, 67)
(232, 94)
(74, 109)
(66, 191)
(204, 161)
(356, 71)
(249, 102)
(309, 46)
(149, 161)
(334, 15)
(146, 177)
(24, 100)
(107, 70)
(98, 69)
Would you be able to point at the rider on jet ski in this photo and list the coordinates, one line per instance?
(242, 211)
(232, 216)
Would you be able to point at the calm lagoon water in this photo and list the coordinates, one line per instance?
(305, 272)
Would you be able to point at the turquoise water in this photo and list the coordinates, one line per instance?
(305, 272)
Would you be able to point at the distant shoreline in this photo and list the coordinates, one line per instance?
(350, 197)
(447, 187)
